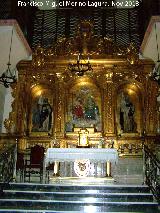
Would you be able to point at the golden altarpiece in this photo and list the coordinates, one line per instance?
(115, 102)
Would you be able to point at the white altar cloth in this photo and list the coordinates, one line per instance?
(72, 154)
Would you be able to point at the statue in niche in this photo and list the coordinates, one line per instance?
(127, 111)
(42, 115)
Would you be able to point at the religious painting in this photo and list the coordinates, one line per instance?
(84, 109)
(41, 114)
(126, 114)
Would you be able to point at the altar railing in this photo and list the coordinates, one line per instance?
(152, 171)
(8, 163)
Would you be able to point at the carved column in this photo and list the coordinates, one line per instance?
(108, 105)
(151, 122)
(22, 99)
(60, 104)
(21, 106)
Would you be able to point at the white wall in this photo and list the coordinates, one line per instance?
(149, 44)
(2, 100)
(19, 50)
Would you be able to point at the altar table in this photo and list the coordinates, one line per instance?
(96, 160)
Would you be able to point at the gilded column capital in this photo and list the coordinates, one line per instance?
(104, 76)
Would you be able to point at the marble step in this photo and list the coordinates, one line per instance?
(46, 211)
(79, 188)
(28, 197)
(90, 207)
(81, 196)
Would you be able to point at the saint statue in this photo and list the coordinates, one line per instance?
(42, 115)
(127, 111)
(45, 116)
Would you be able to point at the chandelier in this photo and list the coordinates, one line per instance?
(80, 67)
(8, 77)
(156, 71)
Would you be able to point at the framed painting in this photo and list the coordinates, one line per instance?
(83, 109)
(42, 115)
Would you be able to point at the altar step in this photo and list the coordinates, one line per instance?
(49, 198)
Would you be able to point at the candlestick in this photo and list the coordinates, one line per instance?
(56, 167)
(108, 165)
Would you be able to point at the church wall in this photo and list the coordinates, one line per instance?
(2, 98)
(7, 106)
(19, 50)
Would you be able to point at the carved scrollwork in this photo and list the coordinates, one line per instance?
(132, 54)
(38, 57)
(9, 123)
(86, 43)
(106, 46)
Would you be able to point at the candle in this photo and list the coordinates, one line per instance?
(55, 167)
(108, 168)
